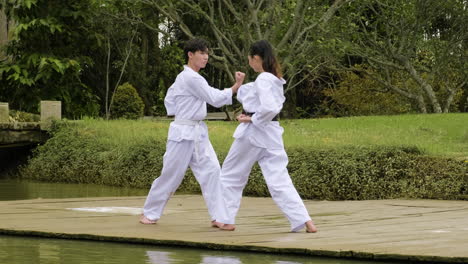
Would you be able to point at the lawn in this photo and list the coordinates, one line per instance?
(435, 134)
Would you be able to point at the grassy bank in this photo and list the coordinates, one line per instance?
(417, 156)
(436, 135)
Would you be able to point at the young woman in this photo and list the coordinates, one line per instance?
(258, 138)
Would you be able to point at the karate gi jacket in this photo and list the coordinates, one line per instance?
(265, 98)
(186, 99)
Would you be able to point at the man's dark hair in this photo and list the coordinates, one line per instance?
(194, 45)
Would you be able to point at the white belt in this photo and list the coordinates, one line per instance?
(187, 122)
(197, 128)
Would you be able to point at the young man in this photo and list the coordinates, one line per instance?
(188, 143)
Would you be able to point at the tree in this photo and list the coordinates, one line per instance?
(422, 40)
(46, 55)
(134, 47)
(357, 94)
(292, 27)
(6, 25)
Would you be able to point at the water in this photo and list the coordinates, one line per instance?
(14, 189)
(19, 250)
(11, 157)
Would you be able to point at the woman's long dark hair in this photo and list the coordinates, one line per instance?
(270, 64)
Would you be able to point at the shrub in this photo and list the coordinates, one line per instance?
(20, 116)
(127, 103)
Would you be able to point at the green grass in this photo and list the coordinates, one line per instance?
(435, 134)
(124, 133)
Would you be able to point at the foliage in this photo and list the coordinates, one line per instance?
(134, 46)
(421, 41)
(296, 29)
(79, 157)
(20, 116)
(172, 59)
(79, 40)
(127, 103)
(80, 51)
(46, 56)
(357, 95)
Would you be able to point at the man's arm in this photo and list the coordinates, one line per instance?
(215, 97)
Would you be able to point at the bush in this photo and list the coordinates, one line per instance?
(20, 116)
(80, 155)
(127, 103)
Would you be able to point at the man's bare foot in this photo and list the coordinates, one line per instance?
(310, 227)
(216, 224)
(146, 221)
(227, 227)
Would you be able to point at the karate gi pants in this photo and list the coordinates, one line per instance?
(235, 173)
(178, 157)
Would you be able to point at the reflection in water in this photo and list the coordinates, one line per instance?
(19, 250)
(159, 257)
(48, 253)
(27, 250)
(220, 260)
(192, 256)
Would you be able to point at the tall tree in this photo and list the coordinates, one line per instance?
(45, 56)
(292, 26)
(6, 25)
(422, 40)
(135, 46)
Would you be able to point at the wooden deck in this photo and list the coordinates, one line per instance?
(430, 231)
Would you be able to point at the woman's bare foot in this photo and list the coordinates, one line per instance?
(146, 221)
(227, 227)
(216, 224)
(310, 227)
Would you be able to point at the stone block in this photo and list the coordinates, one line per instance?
(4, 113)
(50, 110)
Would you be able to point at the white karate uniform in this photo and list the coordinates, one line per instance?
(260, 141)
(188, 143)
